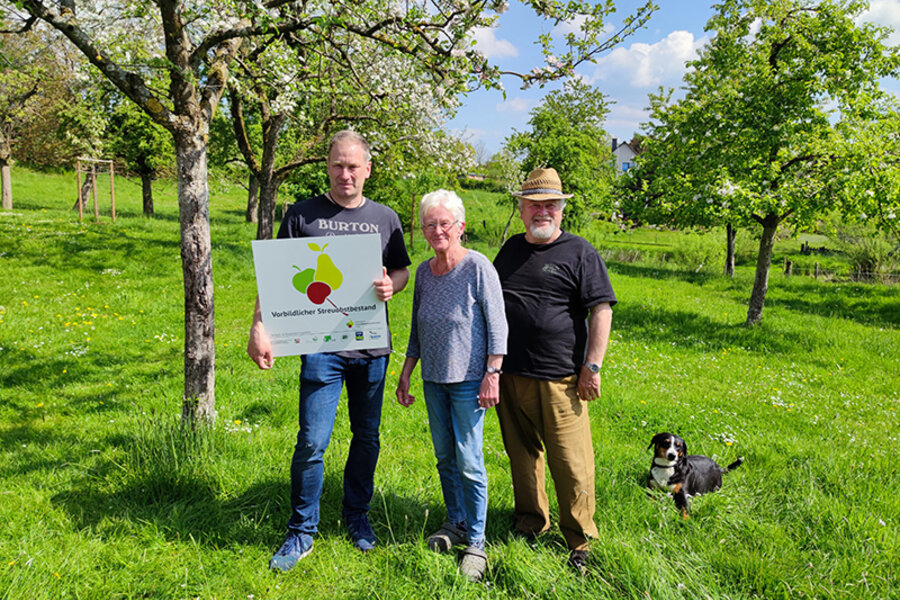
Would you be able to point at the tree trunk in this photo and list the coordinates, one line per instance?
(147, 192)
(252, 199)
(268, 181)
(763, 263)
(198, 404)
(5, 184)
(268, 201)
(508, 223)
(730, 234)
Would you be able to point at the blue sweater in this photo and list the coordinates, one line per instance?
(458, 319)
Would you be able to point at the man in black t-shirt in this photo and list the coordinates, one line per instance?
(342, 211)
(559, 307)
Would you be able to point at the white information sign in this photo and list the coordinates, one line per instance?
(316, 293)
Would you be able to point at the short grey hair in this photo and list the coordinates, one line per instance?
(446, 198)
(349, 136)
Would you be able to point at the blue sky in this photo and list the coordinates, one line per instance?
(653, 57)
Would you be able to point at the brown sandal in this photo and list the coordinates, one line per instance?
(445, 538)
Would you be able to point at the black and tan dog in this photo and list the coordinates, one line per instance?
(685, 476)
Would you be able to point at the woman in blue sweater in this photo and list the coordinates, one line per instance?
(459, 332)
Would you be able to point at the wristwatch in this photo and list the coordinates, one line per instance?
(592, 367)
(491, 370)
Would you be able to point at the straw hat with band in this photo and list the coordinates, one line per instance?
(542, 184)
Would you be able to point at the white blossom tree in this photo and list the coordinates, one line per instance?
(195, 43)
(303, 90)
(20, 77)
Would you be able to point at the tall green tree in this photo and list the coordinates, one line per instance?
(567, 134)
(144, 146)
(768, 129)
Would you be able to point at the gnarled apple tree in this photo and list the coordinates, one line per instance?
(771, 125)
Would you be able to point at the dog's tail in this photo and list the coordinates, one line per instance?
(733, 465)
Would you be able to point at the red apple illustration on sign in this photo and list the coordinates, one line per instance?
(319, 283)
(317, 292)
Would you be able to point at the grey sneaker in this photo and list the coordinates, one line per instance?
(361, 533)
(295, 547)
(473, 563)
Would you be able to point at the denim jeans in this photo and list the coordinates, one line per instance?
(321, 379)
(457, 431)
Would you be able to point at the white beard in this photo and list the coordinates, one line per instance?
(543, 231)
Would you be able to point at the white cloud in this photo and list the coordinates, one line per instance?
(885, 12)
(515, 105)
(624, 120)
(571, 26)
(649, 65)
(486, 41)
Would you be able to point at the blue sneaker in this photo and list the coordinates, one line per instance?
(361, 533)
(295, 547)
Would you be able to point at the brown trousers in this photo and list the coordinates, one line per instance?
(536, 415)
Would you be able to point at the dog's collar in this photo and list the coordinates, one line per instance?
(672, 466)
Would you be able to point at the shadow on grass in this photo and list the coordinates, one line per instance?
(877, 305)
(867, 304)
(692, 330)
(92, 377)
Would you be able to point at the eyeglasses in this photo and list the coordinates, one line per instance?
(444, 225)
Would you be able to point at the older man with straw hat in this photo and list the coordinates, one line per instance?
(558, 300)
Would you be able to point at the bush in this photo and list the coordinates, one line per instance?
(486, 185)
(874, 254)
(699, 251)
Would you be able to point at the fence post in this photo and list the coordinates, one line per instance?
(788, 267)
(94, 192)
(112, 190)
(78, 192)
(817, 270)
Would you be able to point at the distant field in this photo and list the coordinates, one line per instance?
(102, 495)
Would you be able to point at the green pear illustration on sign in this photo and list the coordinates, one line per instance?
(318, 283)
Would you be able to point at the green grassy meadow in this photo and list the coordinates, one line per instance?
(104, 495)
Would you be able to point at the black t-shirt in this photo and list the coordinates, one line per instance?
(548, 290)
(319, 216)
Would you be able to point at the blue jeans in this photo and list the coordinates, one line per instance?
(321, 379)
(457, 432)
